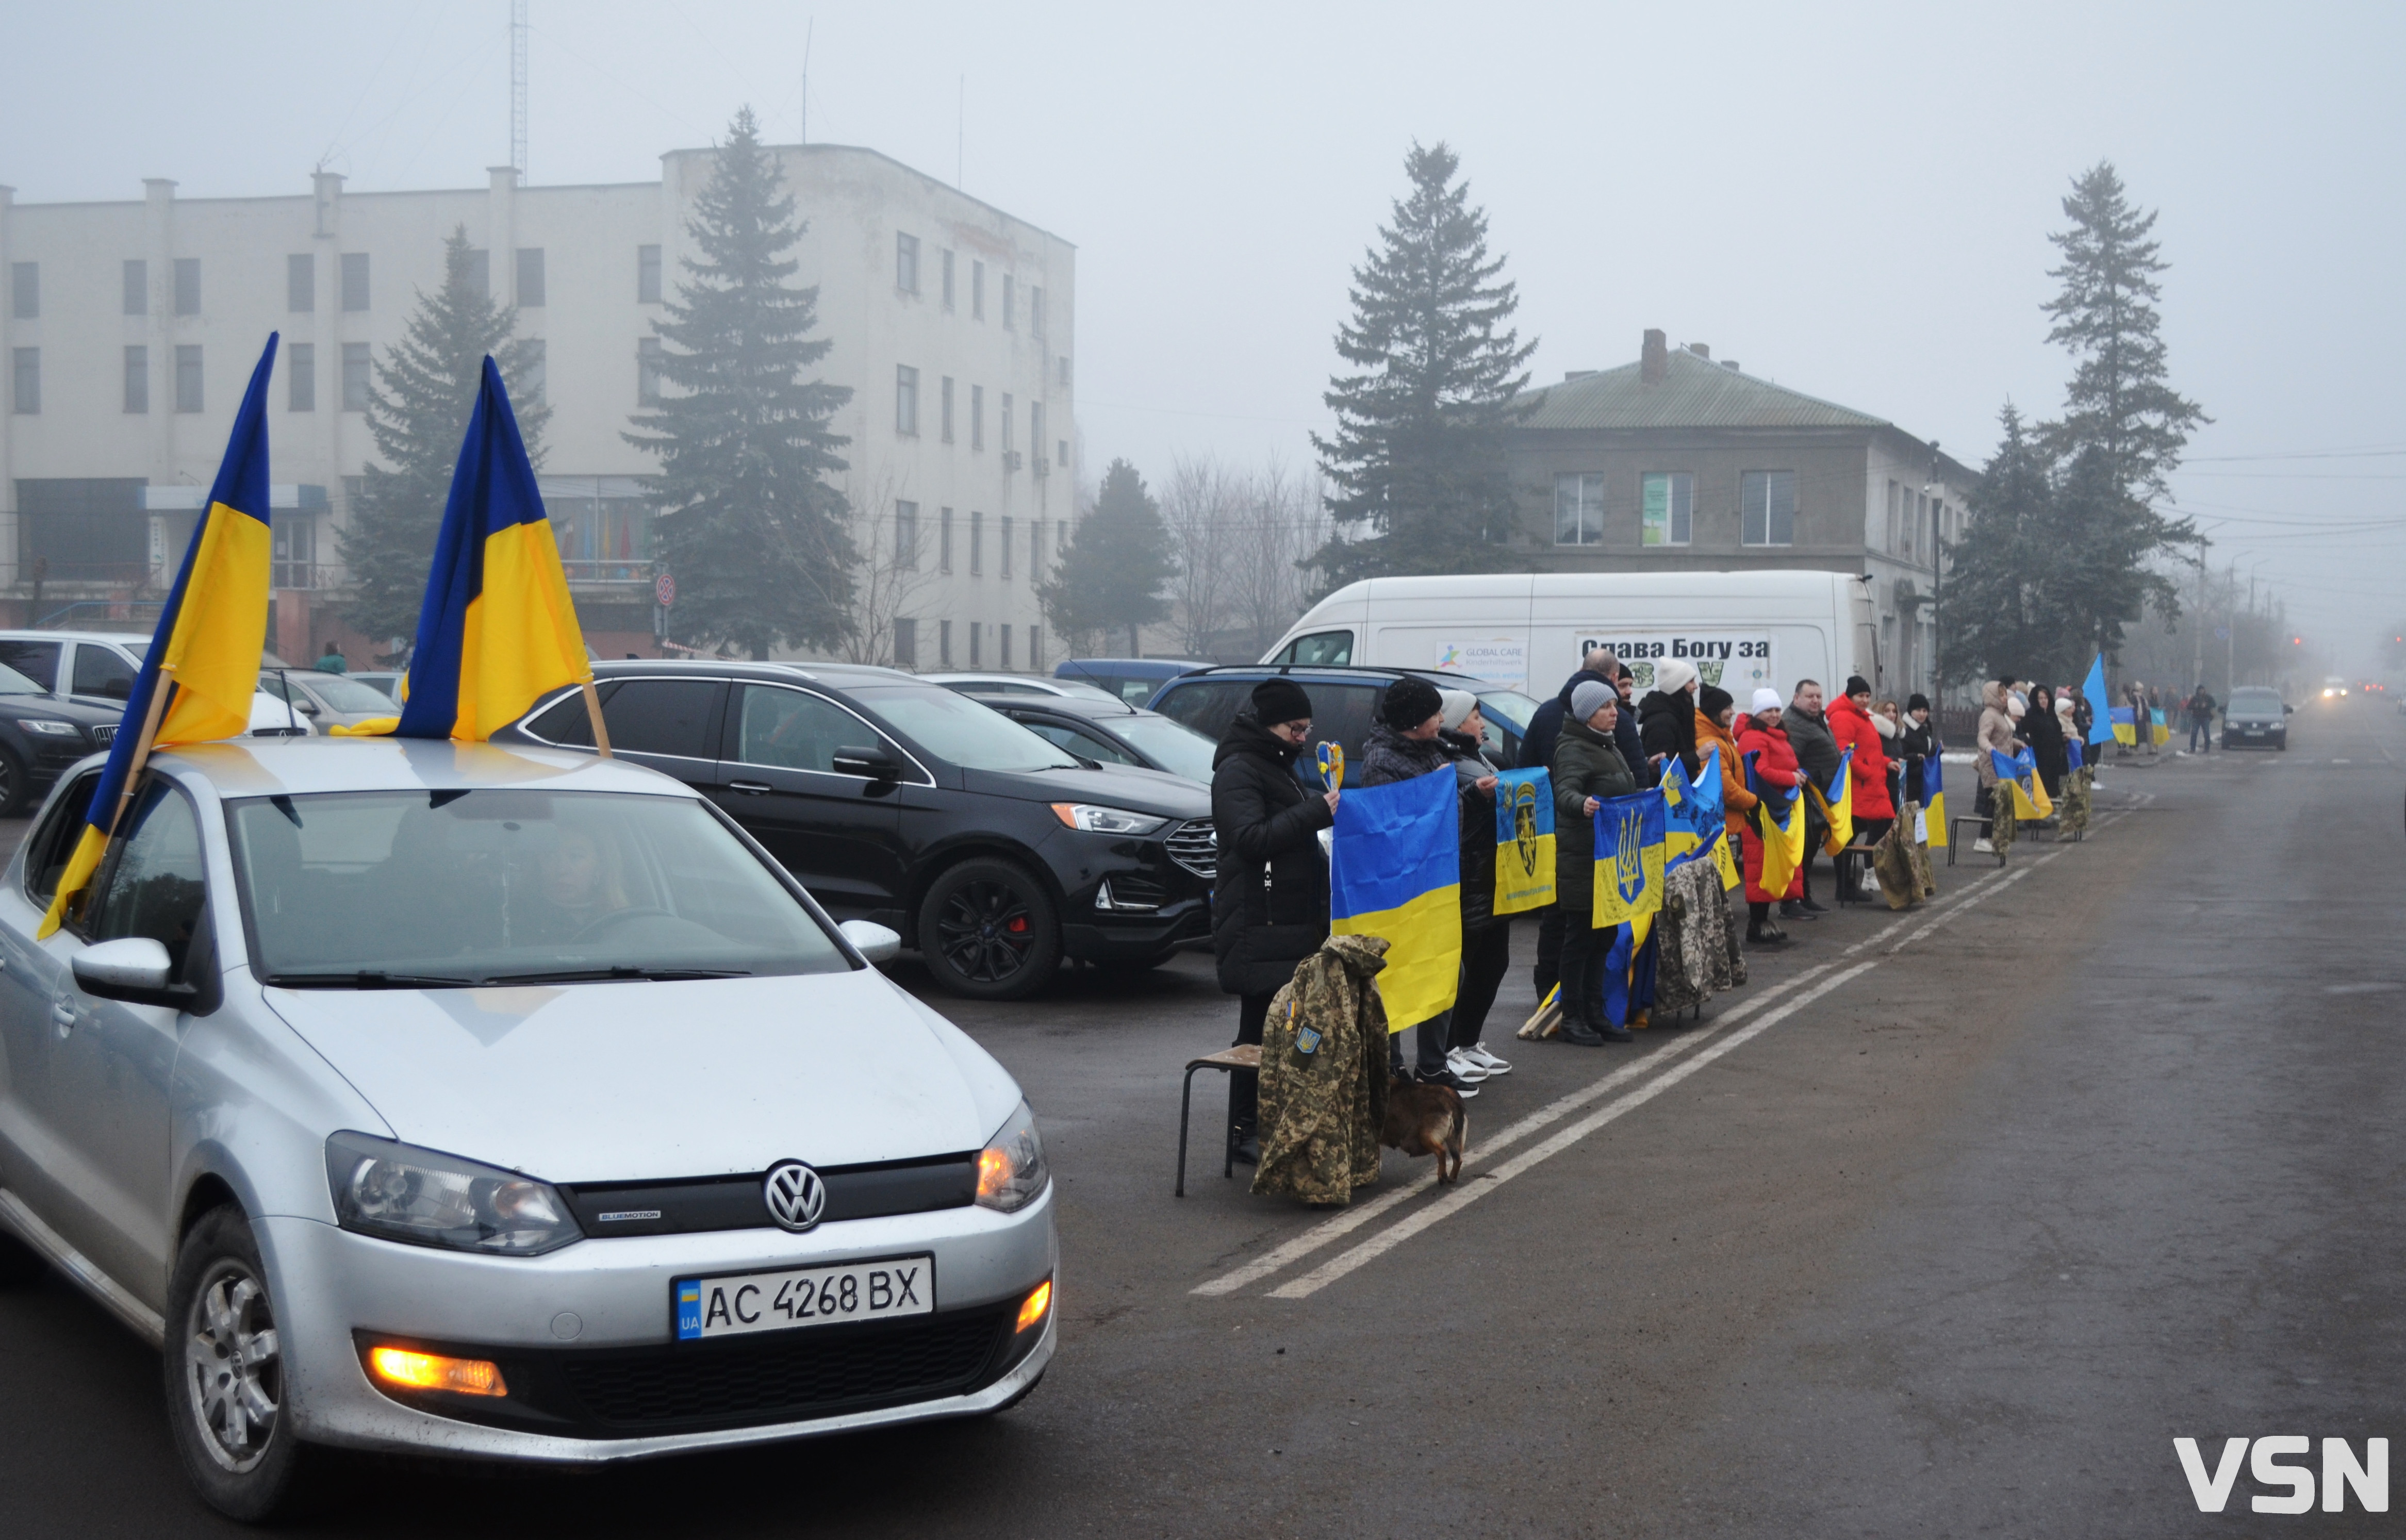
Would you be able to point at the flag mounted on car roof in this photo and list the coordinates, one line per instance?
(202, 668)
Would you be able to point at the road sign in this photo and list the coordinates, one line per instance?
(664, 590)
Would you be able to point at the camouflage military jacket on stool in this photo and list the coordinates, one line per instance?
(1324, 1075)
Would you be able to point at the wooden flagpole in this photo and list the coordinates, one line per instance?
(142, 745)
(593, 711)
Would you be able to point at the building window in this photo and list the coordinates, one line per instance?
(532, 377)
(1061, 538)
(977, 549)
(1002, 652)
(1921, 522)
(25, 381)
(1065, 369)
(1004, 548)
(301, 283)
(944, 556)
(946, 394)
(24, 289)
(1006, 428)
(292, 551)
(1666, 507)
(906, 536)
(1034, 560)
(529, 278)
(1579, 510)
(355, 376)
(977, 417)
(1061, 453)
(137, 380)
(355, 280)
(137, 287)
(647, 275)
(1035, 650)
(943, 643)
(1036, 435)
(1010, 322)
(906, 400)
(977, 290)
(188, 378)
(188, 286)
(1036, 313)
(1769, 502)
(976, 661)
(299, 377)
(647, 372)
(479, 275)
(906, 263)
(948, 280)
(906, 644)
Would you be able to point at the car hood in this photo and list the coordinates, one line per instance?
(1152, 791)
(629, 1082)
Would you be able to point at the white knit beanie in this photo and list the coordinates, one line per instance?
(1454, 708)
(1674, 674)
(1765, 700)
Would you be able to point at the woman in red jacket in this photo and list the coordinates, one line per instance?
(1850, 724)
(1775, 765)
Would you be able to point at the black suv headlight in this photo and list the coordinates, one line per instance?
(401, 1193)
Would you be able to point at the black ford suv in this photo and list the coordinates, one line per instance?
(993, 851)
(1344, 703)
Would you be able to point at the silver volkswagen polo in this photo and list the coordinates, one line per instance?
(501, 1103)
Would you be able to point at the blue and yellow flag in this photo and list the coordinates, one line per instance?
(497, 630)
(1395, 871)
(1933, 796)
(1712, 813)
(1782, 828)
(1630, 836)
(1524, 841)
(1837, 805)
(2019, 772)
(2126, 726)
(2092, 689)
(2159, 733)
(2072, 755)
(212, 633)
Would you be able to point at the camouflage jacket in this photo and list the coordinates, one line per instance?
(1322, 1111)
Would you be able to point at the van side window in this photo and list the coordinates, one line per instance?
(1321, 648)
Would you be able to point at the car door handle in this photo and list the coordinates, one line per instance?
(64, 1015)
(750, 788)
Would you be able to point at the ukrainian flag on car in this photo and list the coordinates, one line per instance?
(1630, 835)
(1524, 841)
(1395, 871)
(211, 636)
(497, 630)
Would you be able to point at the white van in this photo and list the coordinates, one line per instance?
(1529, 630)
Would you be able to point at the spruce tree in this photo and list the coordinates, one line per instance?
(1115, 568)
(1997, 610)
(1417, 460)
(749, 523)
(419, 403)
(2124, 425)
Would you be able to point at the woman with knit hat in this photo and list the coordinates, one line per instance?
(1775, 765)
(1666, 717)
(1851, 725)
(1486, 935)
(1404, 743)
(1587, 768)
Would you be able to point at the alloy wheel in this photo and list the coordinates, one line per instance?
(985, 931)
(233, 1366)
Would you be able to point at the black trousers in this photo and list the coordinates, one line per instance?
(1868, 831)
(1548, 971)
(1583, 952)
(1486, 957)
(1245, 1085)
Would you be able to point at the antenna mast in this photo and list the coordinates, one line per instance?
(518, 86)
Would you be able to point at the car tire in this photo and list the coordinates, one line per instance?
(988, 931)
(224, 1374)
(19, 1262)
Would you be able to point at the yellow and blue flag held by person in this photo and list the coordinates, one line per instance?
(2017, 775)
(2157, 732)
(2100, 717)
(1330, 757)
(1693, 827)
(1524, 841)
(1837, 805)
(497, 630)
(1395, 871)
(1712, 815)
(1933, 796)
(2126, 726)
(1630, 835)
(1781, 819)
(202, 668)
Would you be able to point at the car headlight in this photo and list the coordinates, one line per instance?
(402, 1192)
(1095, 820)
(49, 728)
(1011, 1167)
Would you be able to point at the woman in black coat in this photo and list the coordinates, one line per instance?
(2045, 735)
(1269, 903)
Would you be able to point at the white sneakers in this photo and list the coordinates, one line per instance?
(1476, 1062)
(1982, 847)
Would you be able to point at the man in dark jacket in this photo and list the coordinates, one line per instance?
(1269, 903)
(1816, 750)
(1666, 718)
(1625, 736)
(1546, 722)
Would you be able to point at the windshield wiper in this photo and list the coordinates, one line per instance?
(366, 978)
(618, 974)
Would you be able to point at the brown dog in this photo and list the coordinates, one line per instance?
(1427, 1120)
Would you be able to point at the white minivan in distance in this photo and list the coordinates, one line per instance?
(1529, 630)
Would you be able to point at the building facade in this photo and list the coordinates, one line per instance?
(1677, 463)
(130, 330)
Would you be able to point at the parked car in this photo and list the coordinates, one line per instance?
(1110, 733)
(2256, 715)
(1134, 680)
(384, 680)
(41, 734)
(1017, 684)
(1344, 703)
(94, 667)
(328, 699)
(992, 851)
(436, 1097)
(273, 716)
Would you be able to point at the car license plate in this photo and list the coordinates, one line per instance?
(738, 1303)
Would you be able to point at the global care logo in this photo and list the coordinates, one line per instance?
(2341, 1473)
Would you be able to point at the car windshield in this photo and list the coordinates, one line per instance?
(13, 683)
(1178, 748)
(345, 694)
(509, 885)
(952, 726)
(2260, 701)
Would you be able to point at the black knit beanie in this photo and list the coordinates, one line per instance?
(1857, 685)
(1712, 701)
(1279, 699)
(1410, 701)
(1916, 703)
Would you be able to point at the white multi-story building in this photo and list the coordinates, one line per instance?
(130, 330)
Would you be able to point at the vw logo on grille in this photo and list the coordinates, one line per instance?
(797, 1194)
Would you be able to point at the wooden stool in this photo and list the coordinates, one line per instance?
(1228, 1060)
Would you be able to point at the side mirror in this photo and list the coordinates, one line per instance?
(874, 763)
(871, 940)
(2289, 711)
(133, 968)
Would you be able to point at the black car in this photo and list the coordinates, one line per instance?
(1344, 703)
(2256, 714)
(1109, 733)
(992, 851)
(41, 734)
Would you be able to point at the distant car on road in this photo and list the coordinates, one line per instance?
(2256, 715)
(1110, 733)
(1134, 680)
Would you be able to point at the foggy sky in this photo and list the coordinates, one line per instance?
(1852, 201)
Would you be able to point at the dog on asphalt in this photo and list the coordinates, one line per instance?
(1427, 1120)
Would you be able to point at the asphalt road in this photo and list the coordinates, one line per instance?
(1947, 1224)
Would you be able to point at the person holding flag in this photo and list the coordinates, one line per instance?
(1776, 781)
(202, 668)
(1716, 720)
(1587, 768)
(1995, 737)
(1853, 728)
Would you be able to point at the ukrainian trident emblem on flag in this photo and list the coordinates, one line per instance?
(1630, 836)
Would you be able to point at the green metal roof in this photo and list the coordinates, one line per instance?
(1693, 393)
